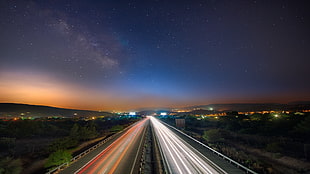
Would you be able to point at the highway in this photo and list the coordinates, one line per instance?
(121, 156)
(179, 156)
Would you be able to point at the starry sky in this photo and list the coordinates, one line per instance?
(110, 54)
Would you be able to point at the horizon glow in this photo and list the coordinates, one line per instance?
(122, 56)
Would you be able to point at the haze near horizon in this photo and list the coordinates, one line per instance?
(125, 55)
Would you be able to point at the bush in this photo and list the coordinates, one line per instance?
(57, 158)
(10, 166)
(274, 147)
(116, 128)
(213, 135)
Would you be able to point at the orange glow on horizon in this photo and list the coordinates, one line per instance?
(41, 89)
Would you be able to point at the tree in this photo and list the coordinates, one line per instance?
(57, 158)
(62, 144)
(74, 136)
(213, 135)
(7, 144)
(303, 127)
(116, 128)
(87, 133)
(74, 132)
(10, 166)
(274, 147)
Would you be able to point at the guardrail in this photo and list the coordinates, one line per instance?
(216, 152)
(142, 159)
(167, 170)
(64, 165)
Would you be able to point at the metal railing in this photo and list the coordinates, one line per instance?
(142, 159)
(214, 151)
(66, 164)
(166, 167)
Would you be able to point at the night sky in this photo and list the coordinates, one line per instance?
(134, 54)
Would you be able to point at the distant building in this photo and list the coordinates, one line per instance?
(180, 123)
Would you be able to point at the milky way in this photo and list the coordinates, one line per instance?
(132, 54)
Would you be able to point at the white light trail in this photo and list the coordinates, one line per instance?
(181, 157)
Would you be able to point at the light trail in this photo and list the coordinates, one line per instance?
(181, 157)
(114, 158)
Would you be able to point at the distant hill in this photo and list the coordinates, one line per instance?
(15, 109)
(299, 103)
(244, 107)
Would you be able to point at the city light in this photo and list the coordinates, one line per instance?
(132, 113)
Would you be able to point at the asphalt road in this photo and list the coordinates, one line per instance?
(212, 157)
(179, 156)
(122, 154)
(119, 157)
